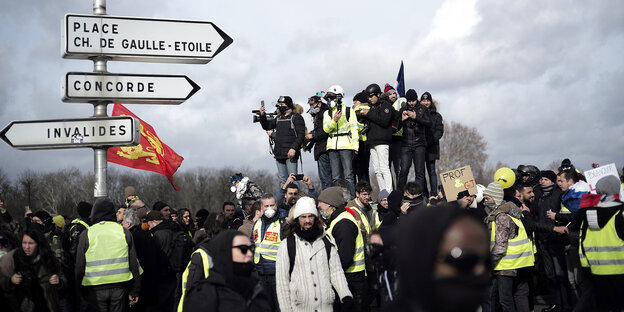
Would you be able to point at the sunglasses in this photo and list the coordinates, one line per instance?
(464, 262)
(245, 248)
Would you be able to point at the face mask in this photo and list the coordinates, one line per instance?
(242, 269)
(489, 204)
(314, 110)
(269, 213)
(324, 214)
(2, 253)
(467, 292)
(283, 109)
(233, 189)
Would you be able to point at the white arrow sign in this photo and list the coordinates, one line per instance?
(141, 39)
(128, 88)
(71, 133)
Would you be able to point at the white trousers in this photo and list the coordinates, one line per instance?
(381, 164)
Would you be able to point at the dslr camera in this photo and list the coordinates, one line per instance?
(256, 115)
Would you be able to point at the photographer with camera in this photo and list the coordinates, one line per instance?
(414, 121)
(289, 132)
(318, 138)
(343, 139)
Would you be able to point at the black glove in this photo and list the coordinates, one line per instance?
(348, 304)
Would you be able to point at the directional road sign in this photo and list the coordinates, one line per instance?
(71, 133)
(127, 88)
(141, 39)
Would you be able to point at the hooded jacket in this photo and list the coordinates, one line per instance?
(104, 210)
(289, 133)
(434, 133)
(223, 290)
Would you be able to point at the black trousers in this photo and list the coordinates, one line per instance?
(112, 299)
(554, 262)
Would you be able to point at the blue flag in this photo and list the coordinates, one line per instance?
(400, 82)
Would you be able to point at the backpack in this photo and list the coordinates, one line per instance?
(180, 251)
(292, 251)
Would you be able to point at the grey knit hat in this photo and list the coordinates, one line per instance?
(609, 185)
(332, 196)
(495, 190)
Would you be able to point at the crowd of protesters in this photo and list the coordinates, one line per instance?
(526, 234)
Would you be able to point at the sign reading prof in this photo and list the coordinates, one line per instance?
(71, 133)
(456, 181)
(128, 88)
(141, 39)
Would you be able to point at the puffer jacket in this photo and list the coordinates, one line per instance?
(288, 134)
(303, 290)
(380, 117)
(414, 130)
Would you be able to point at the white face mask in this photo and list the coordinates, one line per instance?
(2, 253)
(233, 189)
(324, 214)
(269, 213)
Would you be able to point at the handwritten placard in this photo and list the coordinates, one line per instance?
(456, 181)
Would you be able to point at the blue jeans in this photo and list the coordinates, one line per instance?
(409, 155)
(285, 168)
(342, 161)
(324, 171)
(433, 179)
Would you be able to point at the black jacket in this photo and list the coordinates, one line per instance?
(434, 133)
(544, 203)
(152, 260)
(414, 130)
(380, 117)
(289, 133)
(320, 136)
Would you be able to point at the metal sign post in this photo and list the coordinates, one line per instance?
(100, 164)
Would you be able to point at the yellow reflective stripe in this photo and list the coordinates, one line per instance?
(606, 262)
(605, 248)
(107, 261)
(517, 243)
(107, 272)
(519, 252)
(268, 246)
(516, 256)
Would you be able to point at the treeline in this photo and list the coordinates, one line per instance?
(60, 191)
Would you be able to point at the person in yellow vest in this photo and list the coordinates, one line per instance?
(512, 254)
(361, 160)
(267, 235)
(343, 229)
(340, 123)
(602, 244)
(197, 269)
(367, 217)
(106, 262)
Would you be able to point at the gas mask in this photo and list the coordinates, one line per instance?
(314, 110)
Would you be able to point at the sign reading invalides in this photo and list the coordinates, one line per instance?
(141, 39)
(71, 133)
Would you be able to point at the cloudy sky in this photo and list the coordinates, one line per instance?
(539, 80)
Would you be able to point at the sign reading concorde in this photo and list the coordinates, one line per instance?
(141, 39)
(128, 88)
(71, 133)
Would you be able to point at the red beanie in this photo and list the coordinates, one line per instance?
(388, 87)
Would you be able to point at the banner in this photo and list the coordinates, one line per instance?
(593, 175)
(151, 154)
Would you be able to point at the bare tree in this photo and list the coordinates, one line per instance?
(462, 145)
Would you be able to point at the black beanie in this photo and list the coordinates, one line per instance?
(361, 97)
(426, 96)
(159, 205)
(411, 95)
(43, 216)
(550, 175)
(84, 209)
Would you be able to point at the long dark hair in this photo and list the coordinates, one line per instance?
(294, 225)
(47, 258)
(191, 225)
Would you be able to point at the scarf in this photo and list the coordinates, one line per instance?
(546, 190)
(309, 235)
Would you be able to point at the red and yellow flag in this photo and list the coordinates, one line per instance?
(151, 153)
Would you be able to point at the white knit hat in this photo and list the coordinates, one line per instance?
(305, 205)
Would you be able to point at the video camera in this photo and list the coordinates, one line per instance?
(256, 115)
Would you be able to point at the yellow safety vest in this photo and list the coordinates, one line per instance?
(362, 136)
(78, 221)
(519, 252)
(107, 260)
(377, 220)
(604, 249)
(358, 256)
(363, 218)
(206, 263)
(268, 245)
(342, 134)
